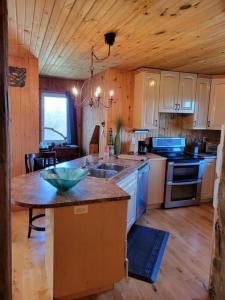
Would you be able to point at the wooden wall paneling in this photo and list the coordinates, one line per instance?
(47, 11)
(15, 125)
(63, 32)
(12, 22)
(59, 14)
(24, 120)
(30, 6)
(100, 12)
(5, 198)
(93, 116)
(75, 17)
(121, 81)
(37, 17)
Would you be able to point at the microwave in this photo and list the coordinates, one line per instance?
(211, 147)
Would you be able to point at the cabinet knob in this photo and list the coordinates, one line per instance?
(156, 123)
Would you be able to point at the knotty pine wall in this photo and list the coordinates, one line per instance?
(122, 82)
(24, 113)
(62, 85)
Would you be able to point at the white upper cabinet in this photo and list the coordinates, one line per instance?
(202, 103)
(216, 117)
(169, 88)
(146, 100)
(187, 93)
(177, 92)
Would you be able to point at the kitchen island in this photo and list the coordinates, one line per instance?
(85, 230)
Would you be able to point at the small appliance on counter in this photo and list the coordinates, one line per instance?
(211, 148)
(142, 148)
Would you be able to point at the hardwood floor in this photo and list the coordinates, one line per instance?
(183, 274)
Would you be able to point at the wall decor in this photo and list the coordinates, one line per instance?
(17, 76)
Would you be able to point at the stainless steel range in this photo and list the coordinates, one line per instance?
(184, 172)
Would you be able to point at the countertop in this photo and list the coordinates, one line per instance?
(208, 155)
(32, 191)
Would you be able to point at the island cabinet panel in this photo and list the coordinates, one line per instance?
(129, 185)
(187, 93)
(169, 88)
(216, 116)
(146, 100)
(86, 248)
(156, 182)
(208, 179)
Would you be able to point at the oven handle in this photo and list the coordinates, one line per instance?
(184, 164)
(184, 182)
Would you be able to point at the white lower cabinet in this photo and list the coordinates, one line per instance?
(129, 185)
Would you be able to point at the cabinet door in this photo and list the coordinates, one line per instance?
(208, 179)
(146, 100)
(151, 100)
(187, 93)
(169, 87)
(216, 116)
(202, 103)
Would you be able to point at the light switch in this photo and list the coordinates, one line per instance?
(80, 210)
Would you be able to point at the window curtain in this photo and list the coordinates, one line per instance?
(72, 119)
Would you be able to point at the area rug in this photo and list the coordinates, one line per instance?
(145, 250)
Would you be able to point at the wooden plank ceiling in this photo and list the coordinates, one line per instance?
(176, 35)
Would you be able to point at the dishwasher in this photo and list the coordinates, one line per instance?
(142, 190)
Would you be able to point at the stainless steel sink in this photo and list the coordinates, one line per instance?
(111, 166)
(100, 173)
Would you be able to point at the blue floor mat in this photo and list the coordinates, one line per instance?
(145, 251)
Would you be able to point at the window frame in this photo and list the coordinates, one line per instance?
(59, 95)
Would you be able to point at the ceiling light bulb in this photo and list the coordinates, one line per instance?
(96, 93)
(75, 91)
(111, 93)
(152, 83)
(98, 90)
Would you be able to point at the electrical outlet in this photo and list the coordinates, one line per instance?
(80, 210)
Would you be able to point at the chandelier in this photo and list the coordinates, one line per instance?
(95, 99)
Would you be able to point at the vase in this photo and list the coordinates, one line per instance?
(117, 144)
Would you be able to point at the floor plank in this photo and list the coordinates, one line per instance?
(183, 274)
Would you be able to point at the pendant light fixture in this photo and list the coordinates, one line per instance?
(95, 99)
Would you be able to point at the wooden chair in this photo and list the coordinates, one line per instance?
(34, 162)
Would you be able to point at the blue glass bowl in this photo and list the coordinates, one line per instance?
(63, 178)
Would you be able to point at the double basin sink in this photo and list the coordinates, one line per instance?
(105, 170)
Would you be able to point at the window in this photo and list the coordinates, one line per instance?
(54, 118)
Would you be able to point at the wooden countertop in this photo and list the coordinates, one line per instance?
(153, 156)
(32, 191)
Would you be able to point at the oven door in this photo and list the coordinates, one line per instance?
(182, 194)
(184, 172)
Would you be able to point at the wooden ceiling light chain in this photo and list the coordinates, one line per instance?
(95, 99)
